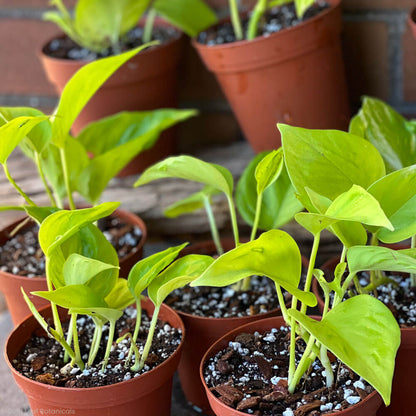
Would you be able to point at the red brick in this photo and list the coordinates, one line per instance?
(195, 81)
(366, 59)
(409, 65)
(207, 129)
(20, 67)
(377, 4)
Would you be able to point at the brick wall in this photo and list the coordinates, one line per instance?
(380, 57)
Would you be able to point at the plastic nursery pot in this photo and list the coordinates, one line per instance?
(367, 407)
(148, 81)
(412, 21)
(295, 76)
(147, 394)
(201, 332)
(10, 284)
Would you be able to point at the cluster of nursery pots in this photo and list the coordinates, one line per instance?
(265, 81)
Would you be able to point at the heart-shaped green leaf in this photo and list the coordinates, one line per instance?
(363, 334)
(268, 170)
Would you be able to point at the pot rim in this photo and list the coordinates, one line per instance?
(120, 213)
(92, 389)
(80, 62)
(215, 348)
(333, 4)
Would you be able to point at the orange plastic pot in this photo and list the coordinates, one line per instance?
(148, 81)
(147, 394)
(295, 76)
(367, 407)
(202, 332)
(412, 21)
(11, 284)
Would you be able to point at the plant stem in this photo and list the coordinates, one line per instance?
(235, 19)
(327, 365)
(95, 345)
(282, 304)
(413, 275)
(16, 186)
(42, 176)
(256, 217)
(109, 345)
(19, 226)
(234, 221)
(55, 314)
(136, 330)
(292, 361)
(311, 266)
(77, 359)
(343, 254)
(302, 366)
(68, 339)
(213, 226)
(149, 337)
(373, 278)
(66, 178)
(148, 26)
(257, 14)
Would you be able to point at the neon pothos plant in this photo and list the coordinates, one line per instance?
(261, 181)
(322, 164)
(99, 25)
(62, 160)
(261, 7)
(91, 285)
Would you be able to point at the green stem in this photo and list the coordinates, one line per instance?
(149, 338)
(256, 217)
(311, 266)
(68, 339)
(213, 226)
(42, 176)
(109, 344)
(233, 221)
(136, 330)
(66, 178)
(373, 276)
(95, 345)
(54, 308)
(413, 275)
(16, 186)
(343, 254)
(77, 359)
(148, 27)
(235, 19)
(338, 297)
(257, 14)
(327, 365)
(282, 304)
(292, 354)
(302, 366)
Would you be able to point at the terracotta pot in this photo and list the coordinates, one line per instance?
(412, 21)
(147, 394)
(402, 398)
(295, 76)
(10, 284)
(367, 407)
(202, 332)
(148, 81)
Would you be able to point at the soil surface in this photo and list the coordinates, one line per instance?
(251, 376)
(225, 302)
(42, 358)
(277, 19)
(66, 48)
(21, 255)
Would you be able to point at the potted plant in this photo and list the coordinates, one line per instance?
(270, 67)
(149, 81)
(85, 361)
(296, 364)
(63, 163)
(264, 195)
(348, 160)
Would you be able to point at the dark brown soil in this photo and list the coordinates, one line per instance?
(251, 376)
(277, 19)
(22, 255)
(225, 302)
(42, 358)
(66, 48)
